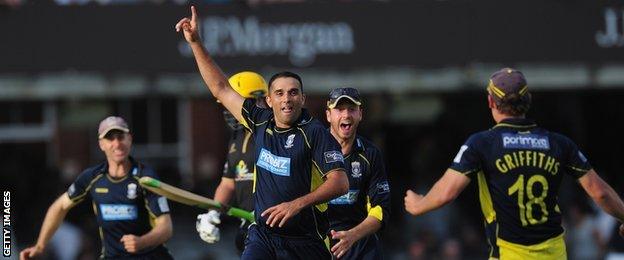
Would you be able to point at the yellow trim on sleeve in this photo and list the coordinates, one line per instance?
(375, 211)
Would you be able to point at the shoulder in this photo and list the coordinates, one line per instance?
(92, 172)
(144, 170)
(313, 128)
(368, 146)
(480, 137)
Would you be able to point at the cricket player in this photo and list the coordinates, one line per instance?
(357, 215)
(238, 171)
(518, 167)
(133, 222)
(299, 166)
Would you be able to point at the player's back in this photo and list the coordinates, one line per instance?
(519, 167)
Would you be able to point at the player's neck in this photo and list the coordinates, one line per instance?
(119, 169)
(346, 144)
(498, 117)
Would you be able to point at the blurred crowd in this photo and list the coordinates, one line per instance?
(18, 3)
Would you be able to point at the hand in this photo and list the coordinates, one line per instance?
(206, 226)
(30, 252)
(189, 27)
(347, 238)
(411, 201)
(132, 243)
(622, 230)
(281, 213)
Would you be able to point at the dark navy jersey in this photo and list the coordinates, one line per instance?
(291, 163)
(519, 167)
(369, 191)
(240, 167)
(121, 206)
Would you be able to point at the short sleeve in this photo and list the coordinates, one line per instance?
(379, 189)
(156, 204)
(79, 189)
(253, 115)
(467, 160)
(575, 161)
(326, 151)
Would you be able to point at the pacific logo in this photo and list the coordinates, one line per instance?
(273, 163)
(112, 212)
(526, 141)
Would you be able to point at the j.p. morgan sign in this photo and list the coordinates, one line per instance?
(301, 42)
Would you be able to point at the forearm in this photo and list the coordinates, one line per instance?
(611, 203)
(331, 188)
(435, 198)
(53, 219)
(159, 234)
(224, 192)
(368, 226)
(210, 72)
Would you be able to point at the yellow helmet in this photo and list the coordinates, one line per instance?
(249, 84)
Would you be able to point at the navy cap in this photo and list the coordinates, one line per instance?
(507, 81)
(351, 94)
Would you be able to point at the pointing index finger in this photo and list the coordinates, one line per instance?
(193, 13)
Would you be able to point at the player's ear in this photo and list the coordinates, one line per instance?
(328, 115)
(101, 144)
(491, 102)
(303, 98)
(268, 100)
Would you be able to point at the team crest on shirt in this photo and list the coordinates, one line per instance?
(132, 192)
(356, 171)
(290, 141)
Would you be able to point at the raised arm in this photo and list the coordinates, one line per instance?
(55, 215)
(443, 191)
(603, 195)
(211, 73)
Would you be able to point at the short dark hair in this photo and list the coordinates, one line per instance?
(286, 74)
(514, 104)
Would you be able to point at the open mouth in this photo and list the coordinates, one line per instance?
(346, 126)
(287, 110)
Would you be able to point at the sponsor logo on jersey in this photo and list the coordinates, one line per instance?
(356, 171)
(290, 141)
(132, 191)
(273, 163)
(347, 199)
(525, 141)
(383, 187)
(333, 156)
(112, 212)
(242, 172)
(101, 190)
